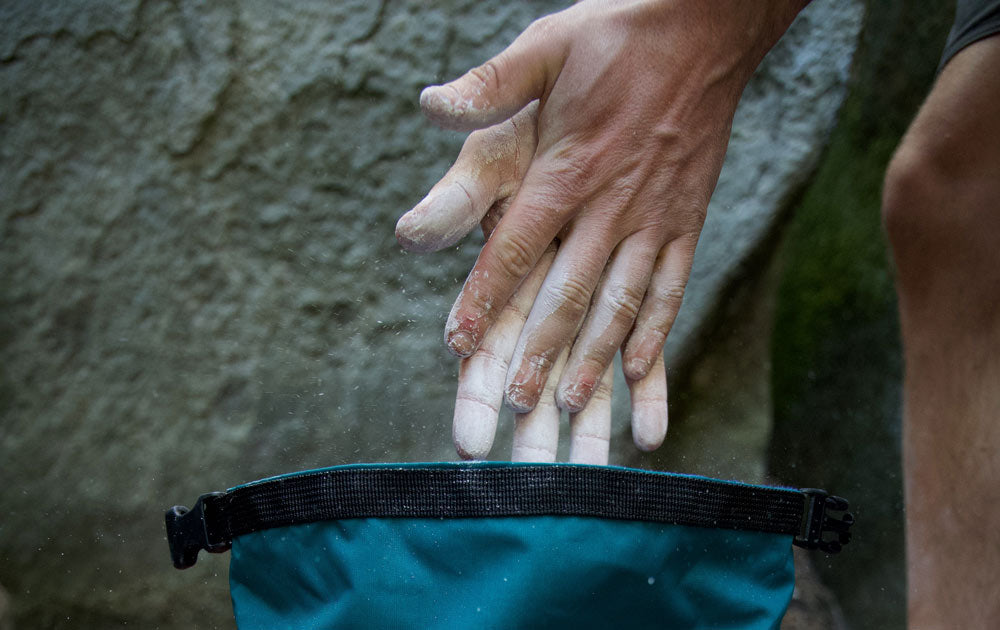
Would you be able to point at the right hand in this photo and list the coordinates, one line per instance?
(636, 102)
(479, 187)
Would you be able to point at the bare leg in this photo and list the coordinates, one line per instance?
(942, 213)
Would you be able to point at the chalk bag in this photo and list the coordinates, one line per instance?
(501, 545)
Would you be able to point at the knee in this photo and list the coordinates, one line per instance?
(917, 199)
(941, 219)
(908, 196)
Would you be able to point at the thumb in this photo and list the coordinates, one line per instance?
(477, 188)
(501, 87)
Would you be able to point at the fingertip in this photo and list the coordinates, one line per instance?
(445, 106)
(408, 234)
(573, 396)
(440, 220)
(437, 103)
(519, 398)
(646, 446)
(460, 343)
(525, 388)
(636, 368)
(473, 429)
(472, 452)
(649, 433)
(643, 350)
(433, 99)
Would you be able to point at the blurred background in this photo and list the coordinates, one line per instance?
(199, 283)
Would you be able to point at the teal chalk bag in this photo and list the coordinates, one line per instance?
(502, 545)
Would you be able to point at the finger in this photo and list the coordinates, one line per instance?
(499, 88)
(489, 168)
(659, 307)
(536, 215)
(555, 318)
(481, 376)
(612, 313)
(590, 429)
(649, 407)
(525, 125)
(536, 433)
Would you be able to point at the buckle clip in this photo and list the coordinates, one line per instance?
(188, 532)
(818, 522)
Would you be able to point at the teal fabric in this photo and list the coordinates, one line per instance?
(509, 572)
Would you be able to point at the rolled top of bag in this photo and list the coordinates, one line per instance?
(815, 519)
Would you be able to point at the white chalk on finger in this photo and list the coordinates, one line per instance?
(536, 433)
(476, 406)
(481, 376)
(649, 407)
(442, 218)
(590, 428)
(480, 387)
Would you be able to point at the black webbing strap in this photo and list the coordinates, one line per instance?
(495, 491)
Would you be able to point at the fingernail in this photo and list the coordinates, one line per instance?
(636, 368)
(440, 220)
(574, 398)
(522, 393)
(460, 343)
(433, 98)
(517, 398)
(406, 232)
(519, 392)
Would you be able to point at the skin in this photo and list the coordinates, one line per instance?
(487, 175)
(634, 116)
(635, 104)
(942, 213)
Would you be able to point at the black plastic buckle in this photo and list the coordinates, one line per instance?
(188, 532)
(818, 522)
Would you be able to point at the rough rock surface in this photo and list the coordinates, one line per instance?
(200, 281)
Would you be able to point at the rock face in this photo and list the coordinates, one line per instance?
(200, 281)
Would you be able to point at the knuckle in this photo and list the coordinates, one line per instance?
(623, 193)
(476, 143)
(487, 74)
(571, 296)
(670, 296)
(574, 170)
(541, 26)
(624, 302)
(514, 254)
(574, 165)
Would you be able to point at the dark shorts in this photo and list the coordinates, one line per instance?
(974, 20)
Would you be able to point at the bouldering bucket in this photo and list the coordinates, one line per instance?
(502, 545)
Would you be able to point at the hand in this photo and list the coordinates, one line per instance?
(636, 103)
(479, 188)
